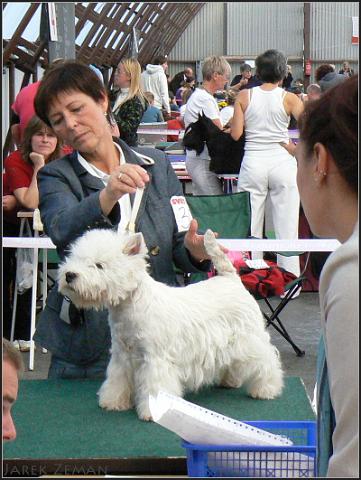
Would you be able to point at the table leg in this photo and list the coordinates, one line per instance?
(33, 308)
(15, 301)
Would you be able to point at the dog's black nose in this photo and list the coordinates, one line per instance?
(70, 276)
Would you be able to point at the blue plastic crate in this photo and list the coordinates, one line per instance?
(297, 460)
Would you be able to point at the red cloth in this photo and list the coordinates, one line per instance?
(261, 282)
(23, 105)
(174, 124)
(18, 172)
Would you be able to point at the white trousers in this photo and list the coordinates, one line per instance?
(272, 172)
(204, 182)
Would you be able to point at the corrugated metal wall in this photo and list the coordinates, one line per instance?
(255, 27)
(331, 32)
(203, 37)
(249, 28)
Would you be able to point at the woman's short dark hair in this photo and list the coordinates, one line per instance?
(323, 70)
(67, 76)
(271, 66)
(332, 120)
(36, 125)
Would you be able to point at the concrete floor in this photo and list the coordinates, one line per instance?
(301, 319)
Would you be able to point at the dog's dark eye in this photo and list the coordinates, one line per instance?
(99, 265)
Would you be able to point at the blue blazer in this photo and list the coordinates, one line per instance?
(69, 205)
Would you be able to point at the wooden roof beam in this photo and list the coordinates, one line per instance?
(19, 31)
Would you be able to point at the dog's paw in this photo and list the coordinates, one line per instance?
(145, 418)
(143, 411)
(265, 392)
(114, 402)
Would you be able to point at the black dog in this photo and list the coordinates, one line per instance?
(226, 154)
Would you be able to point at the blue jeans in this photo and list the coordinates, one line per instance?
(60, 368)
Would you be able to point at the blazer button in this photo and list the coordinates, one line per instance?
(155, 250)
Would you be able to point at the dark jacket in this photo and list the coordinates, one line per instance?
(176, 82)
(69, 205)
(128, 117)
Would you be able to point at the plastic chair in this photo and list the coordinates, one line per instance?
(230, 216)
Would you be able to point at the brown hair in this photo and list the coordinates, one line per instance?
(67, 76)
(34, 126)
(12, 355)
(323, 70)
(160, 60)
(149, 96)
(187, 92)
(332, 120)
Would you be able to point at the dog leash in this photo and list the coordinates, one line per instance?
(135, 208)
(138, 197)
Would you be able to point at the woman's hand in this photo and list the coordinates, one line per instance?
(37, 159)
(290, 147)
(122, 180)
(9, 203)
(194, 243)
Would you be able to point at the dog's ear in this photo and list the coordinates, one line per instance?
(135, 244)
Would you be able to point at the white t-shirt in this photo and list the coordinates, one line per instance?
(226, 114)
(200, 101)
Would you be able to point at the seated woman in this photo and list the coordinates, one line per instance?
(20, 190)
(40, 145)
(130, 104)
(103, 184)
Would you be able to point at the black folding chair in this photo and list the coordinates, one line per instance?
(230, 216)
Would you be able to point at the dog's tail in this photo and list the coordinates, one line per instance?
(220, 260)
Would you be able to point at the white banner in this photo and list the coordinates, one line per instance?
(241, 245)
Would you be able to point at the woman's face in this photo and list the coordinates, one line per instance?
(79, 120)
(121, 77)
(44, 142)
(220, 79)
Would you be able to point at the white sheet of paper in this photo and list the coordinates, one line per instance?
(257, 263)
(199, 425)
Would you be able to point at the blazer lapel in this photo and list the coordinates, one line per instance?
(88, 181)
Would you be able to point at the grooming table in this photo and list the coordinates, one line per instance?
(62, 430)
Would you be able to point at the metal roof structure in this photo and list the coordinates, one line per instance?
(103, 32)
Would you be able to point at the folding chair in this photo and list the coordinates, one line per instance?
(230, 216)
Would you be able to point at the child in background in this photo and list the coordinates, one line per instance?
(152, 113)
(172, 102)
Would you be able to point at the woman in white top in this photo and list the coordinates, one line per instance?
(216, 72)
(268, 168)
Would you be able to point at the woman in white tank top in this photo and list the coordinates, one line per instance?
(268, 166)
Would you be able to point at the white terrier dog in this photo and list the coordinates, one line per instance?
(175, 339)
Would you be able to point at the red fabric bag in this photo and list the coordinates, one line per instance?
(260, 282)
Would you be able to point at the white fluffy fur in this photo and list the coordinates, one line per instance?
(175, 339)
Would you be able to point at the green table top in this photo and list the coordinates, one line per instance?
(62, 419)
